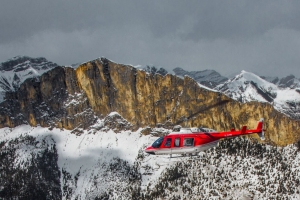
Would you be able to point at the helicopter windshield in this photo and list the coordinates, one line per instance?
(157, 142)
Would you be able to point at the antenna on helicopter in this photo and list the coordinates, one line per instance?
(186, 120)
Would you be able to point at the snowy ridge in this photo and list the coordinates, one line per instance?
(247, 87)
(207, 88)
(16, 70)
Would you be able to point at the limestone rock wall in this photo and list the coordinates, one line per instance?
(53, 100)
(70, 99)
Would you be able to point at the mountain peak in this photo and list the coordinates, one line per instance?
(245, 76)
(14, 63)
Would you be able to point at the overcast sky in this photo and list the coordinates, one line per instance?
(228, 36)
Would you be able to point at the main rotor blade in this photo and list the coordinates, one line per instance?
(222, 102)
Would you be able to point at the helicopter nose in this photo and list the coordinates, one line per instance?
(149, 150)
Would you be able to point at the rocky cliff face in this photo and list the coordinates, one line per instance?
(53, 100)
(74, 99)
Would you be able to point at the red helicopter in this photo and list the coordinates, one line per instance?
(193, 140)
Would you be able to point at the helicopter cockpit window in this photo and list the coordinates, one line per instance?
(158, 142)
(177, 142)
(188, 142)
(168, 142)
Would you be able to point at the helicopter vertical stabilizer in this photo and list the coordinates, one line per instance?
(244, 128)
(260, 127)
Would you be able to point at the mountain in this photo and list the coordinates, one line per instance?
(154, 70)
(286, 82)
(209, 78)
(248, 87)
(289, 81)
(80, 133)
(16, 70)
(75, 98)
(282, 93)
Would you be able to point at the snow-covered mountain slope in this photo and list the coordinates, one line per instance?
(96, 163)
(247, 87)
(29, 168)
(16, 70)
(106, 165)
(209, 78)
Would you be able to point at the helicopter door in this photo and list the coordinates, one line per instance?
(177, 149)
(167, 146)
(188, 144)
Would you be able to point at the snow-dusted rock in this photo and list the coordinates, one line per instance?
(16, 70)
(247, 87)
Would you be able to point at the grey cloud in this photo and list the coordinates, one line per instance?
(240, 20)
(228, 36)
(208, 19)
(22, 19)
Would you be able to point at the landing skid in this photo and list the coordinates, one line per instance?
(190, 156)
